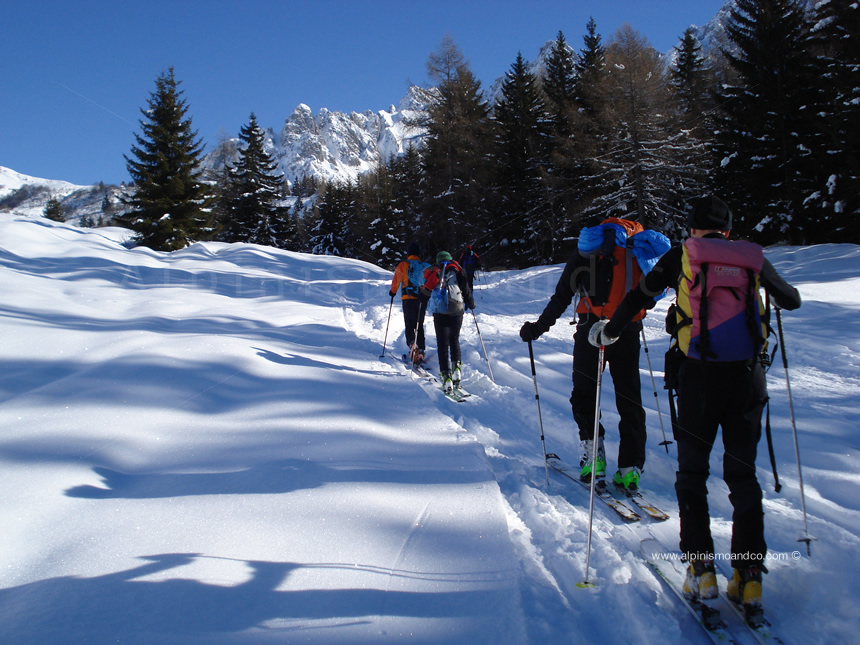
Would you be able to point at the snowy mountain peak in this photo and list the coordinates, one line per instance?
(335, 146)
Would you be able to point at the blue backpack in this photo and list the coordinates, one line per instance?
(446, 297)
(415, 277)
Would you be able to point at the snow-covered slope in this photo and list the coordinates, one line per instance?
(206, 447)
(27, 195)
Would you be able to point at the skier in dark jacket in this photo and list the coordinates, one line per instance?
(730, 395)
(447, 316)
(471, 263)
(590, 276)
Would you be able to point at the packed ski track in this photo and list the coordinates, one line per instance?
(215, 446)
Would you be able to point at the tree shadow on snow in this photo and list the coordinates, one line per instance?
(119, 607)
(272, 478)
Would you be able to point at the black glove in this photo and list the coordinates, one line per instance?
(530, 331)
(392, 293)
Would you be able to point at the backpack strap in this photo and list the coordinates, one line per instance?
(629, 266)
(776, 485)
(704, 333)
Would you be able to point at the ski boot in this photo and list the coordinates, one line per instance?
(447, 382)
(416, 355)
(457, 373)
(744, 589)
(585, 463)
(627, 479)
(701, 581)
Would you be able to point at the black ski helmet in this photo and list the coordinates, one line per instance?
(709, 213)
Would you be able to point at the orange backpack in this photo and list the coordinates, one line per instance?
(613, 268)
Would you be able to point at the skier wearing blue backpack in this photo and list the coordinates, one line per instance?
(719, 329)
(409, 277)
(611, 257)
(447, 293)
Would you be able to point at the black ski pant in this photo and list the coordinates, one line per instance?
(448, 339)
(623, 359)
(413, 318)
(470, 278)
(730, 396)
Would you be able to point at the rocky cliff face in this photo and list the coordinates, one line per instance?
(334, 146)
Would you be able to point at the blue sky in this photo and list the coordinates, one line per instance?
(76, 73)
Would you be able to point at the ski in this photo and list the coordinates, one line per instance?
(459, 390)
(660, 560)
(642, 500)
(454, 396)
(760, 629)
(600, 490)
(421, 369)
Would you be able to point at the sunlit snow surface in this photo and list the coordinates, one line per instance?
(206, 447)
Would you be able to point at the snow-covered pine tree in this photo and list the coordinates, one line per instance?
(456, 167)
(568, 85)
(837, 46)
(385, 238)
(54, 210)
(590, 69)
(330, 212)
(692, 85)
(764, 147)
(522, 219)
(170, 204)
(559, 86)
(409, 222)
(574, 155)
(253, 192)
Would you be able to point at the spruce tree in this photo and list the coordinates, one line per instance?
(327, 232)
(408, 193)
(54, 210)
(575, 171)
(559, 85)
(571, 83)
(456, 167)
(385, 238)
(692, 84)
(837, 24)
(170, 205)
(590, 69)
(253, 191)
(765, 166)
(521, 153)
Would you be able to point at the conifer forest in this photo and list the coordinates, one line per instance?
(769, 120)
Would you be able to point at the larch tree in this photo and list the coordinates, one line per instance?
(638, 162)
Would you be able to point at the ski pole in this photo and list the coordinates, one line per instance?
(596, 441)
(486, 356)
(386, 328)
(665, 441)
(540, 420)
(808, 539)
